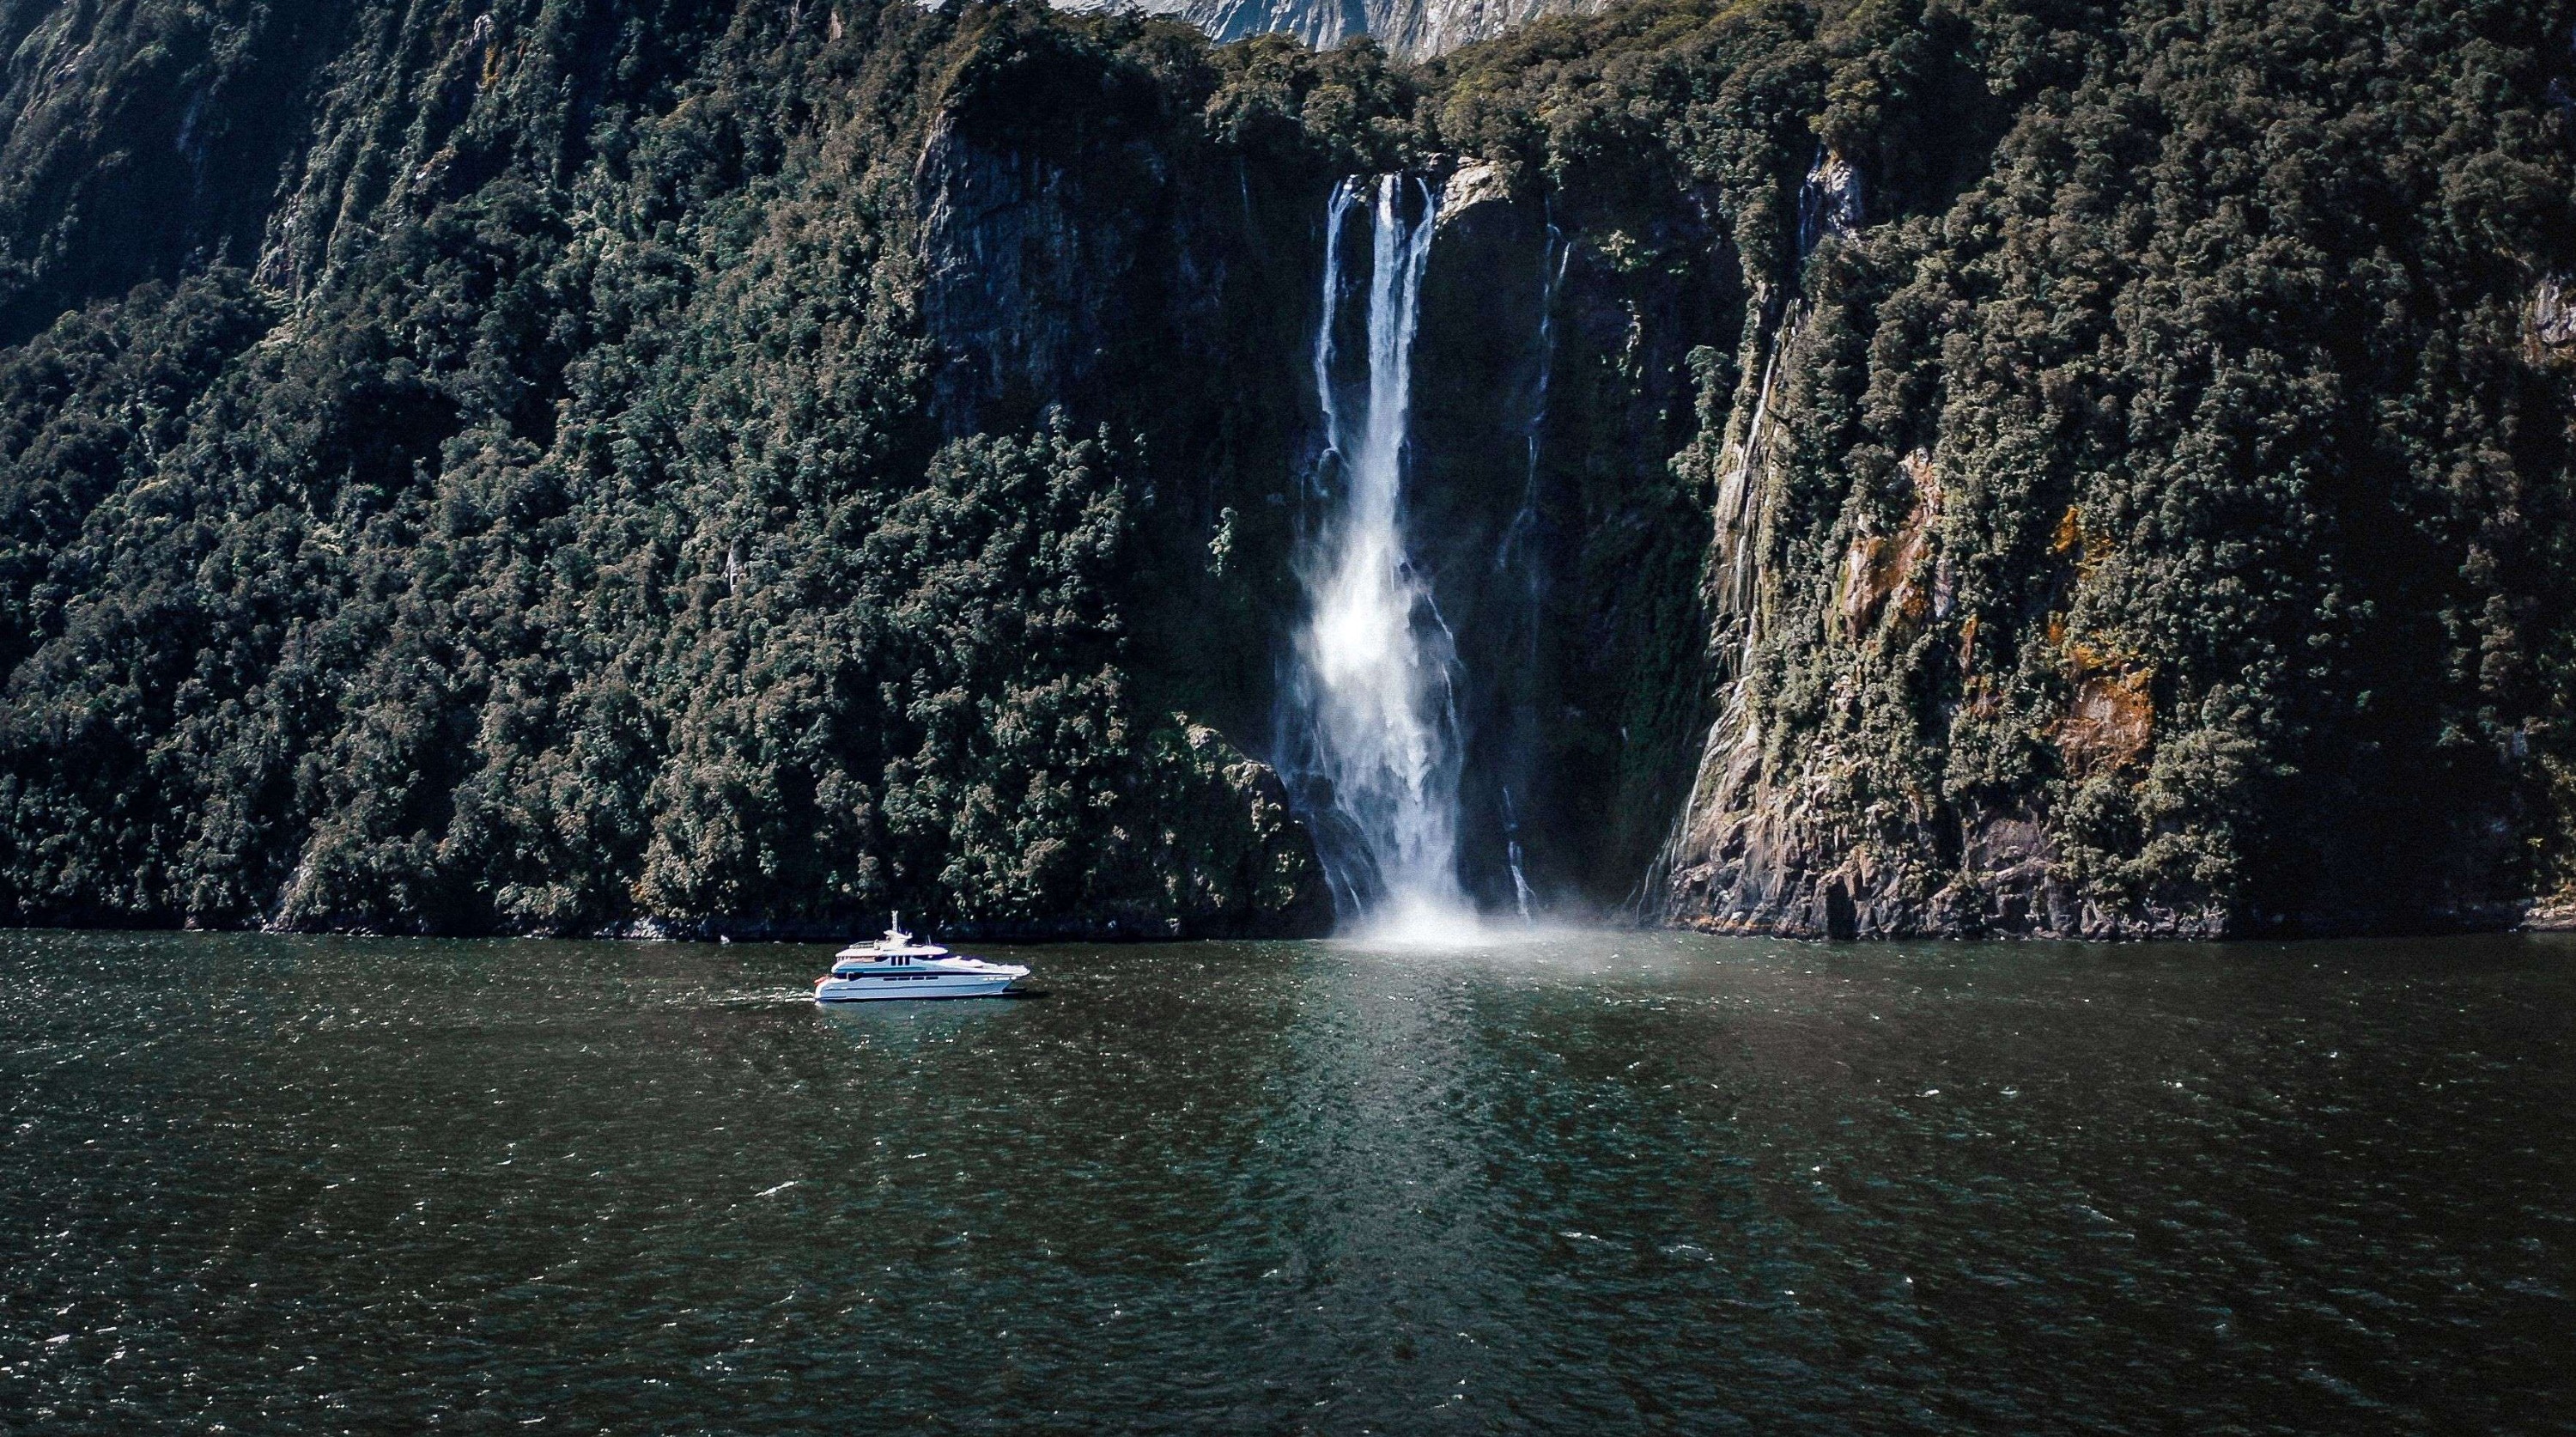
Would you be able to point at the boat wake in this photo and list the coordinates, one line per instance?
(752, 998)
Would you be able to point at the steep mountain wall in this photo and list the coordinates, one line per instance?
(139, 139)
(2023, 466)
(632, 490)
(2163, 536)
(1552, 383)
(1417, 28)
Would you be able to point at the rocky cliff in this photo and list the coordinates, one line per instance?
(2106, 550)
(1887, 468)
(1417, 28)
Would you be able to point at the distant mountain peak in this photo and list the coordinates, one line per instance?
(1417, 28)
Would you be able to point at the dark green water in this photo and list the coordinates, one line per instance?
(1613, 1184)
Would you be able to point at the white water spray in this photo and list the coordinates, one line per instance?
(1372, 721)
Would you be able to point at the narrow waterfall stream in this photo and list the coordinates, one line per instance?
(1518, 556)
(1370, 728)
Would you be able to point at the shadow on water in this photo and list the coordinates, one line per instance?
(1572, 1181)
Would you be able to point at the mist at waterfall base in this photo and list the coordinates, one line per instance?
(1370, 737)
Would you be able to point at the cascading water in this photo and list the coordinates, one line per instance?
(1518, 556)
(1370, 731)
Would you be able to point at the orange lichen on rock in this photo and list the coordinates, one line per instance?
(2110, 723)
(1880, 568)
(1862, 586)
(2086, 546)
(2112, 718)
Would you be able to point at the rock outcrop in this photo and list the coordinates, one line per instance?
(1415, 28)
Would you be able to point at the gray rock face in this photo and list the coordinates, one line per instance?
(998, 235)
(2553, 312)
(1417, 28)
(1758, 847)
(1553, 381)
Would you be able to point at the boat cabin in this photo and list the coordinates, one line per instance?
(895, 950)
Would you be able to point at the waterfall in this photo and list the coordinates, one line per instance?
(1521, 894)
(1518, 554)
(1370, 731)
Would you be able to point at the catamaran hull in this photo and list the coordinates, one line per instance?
(923, 985)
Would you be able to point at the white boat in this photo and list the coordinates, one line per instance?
(896, 967)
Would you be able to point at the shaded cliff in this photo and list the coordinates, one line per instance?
(1552, 382)
(606, 503)
(2023, 466)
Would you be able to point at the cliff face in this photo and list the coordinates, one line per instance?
(1417, 28)
(2093, 559)
(1887, 469)
(1553, 380)
(669, 470)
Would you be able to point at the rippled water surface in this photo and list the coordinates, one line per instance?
(1607, 1183)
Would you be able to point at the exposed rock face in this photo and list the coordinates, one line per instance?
(1553, 380)
(1833, 203)
(2553, 313)
(2109, 724)
(1891, 577)
(1418, 28)
(1012, 289)
(1763, 846)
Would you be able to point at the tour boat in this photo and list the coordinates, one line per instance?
(896, 967)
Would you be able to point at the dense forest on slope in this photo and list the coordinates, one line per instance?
(2169, 532)
(554, 531)
(2041, 465)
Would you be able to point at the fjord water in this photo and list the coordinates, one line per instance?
(1593, 1183)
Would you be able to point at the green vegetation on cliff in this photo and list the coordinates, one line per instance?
(569, 463)
(2169, 531)
(559, 537)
